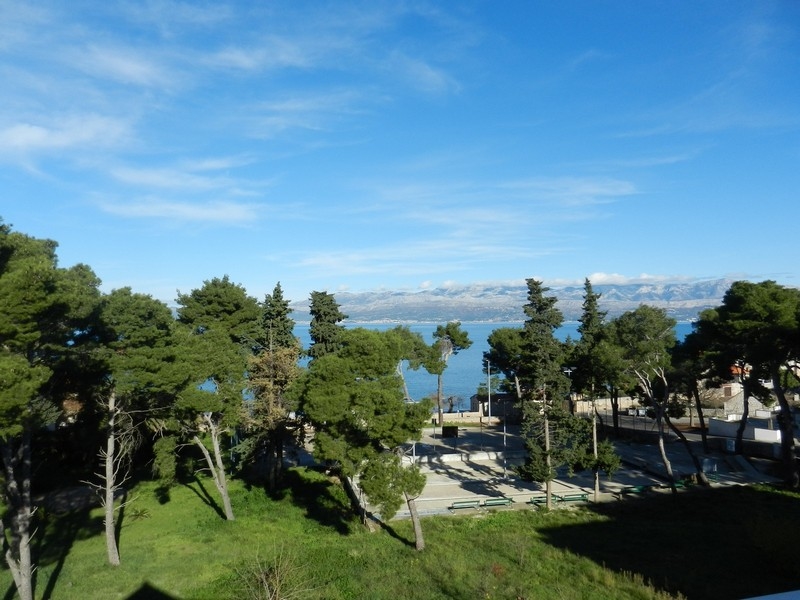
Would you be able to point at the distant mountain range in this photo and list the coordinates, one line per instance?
(502, 303)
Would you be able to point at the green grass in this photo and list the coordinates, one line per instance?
(726, 543)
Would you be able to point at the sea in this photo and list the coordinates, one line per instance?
(465, 370)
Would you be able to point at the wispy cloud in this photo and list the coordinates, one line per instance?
(71, 131)
(418, 258)
(421, 74)
(746, 89)
(215, 212)
(587, 57)
(123, 65)
(168, 179)
(572, 191)
(314, 112)
(170, 16)
(499, 201)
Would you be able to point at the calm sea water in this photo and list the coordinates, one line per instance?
(464, 371)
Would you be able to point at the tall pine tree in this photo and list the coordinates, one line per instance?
(325, 330)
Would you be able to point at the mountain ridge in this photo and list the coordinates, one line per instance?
(503, 303)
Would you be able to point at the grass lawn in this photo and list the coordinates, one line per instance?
(722, 543)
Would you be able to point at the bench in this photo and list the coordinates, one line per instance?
(573, 497)
(679, 484)
(538, 500)
(498, 501)
(465, 504)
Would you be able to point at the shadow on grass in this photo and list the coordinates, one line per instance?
(198, 488)
(149, 592)
(54, 540)
(712, 544)
(323, 499)
(388, 529)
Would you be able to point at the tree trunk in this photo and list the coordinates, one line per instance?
(615, 411)
(594, 452)
(419, 540)
(110, 483)
(406, 395)
(18, 499)
(661, 449)
(216, 466)
(745, 414)
(548, 486)
(701, 476)
(698, 405)
(439, 398)
(786, 424)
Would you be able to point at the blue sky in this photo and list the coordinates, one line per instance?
(403, 145)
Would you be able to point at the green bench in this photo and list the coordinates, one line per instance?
(634, 489)
(465, 504)
(572, 497)
(538, 500)
(497, 501)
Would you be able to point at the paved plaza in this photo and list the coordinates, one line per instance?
(478, 465)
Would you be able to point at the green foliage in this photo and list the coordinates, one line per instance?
(224, 305)
(47, 325)
(646, 335)
(589, 357)
(506, 352)
(571, 446)
(753, 336)
(756, 324)
(141, 353)
(644, 339)
(325, 331)
(355, 401)
(542, 352)
(386, 481)
(164, 462)
(276, 322)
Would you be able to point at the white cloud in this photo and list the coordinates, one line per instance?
(68, 132)
(167, 179)
(275, 52)
(422, 75)
(124, 65)
(313, 112)
(645, 278)
(221, 212)
(573, 190)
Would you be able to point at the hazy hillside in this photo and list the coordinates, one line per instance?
(504, 303)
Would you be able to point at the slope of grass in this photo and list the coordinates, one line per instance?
(718, 544)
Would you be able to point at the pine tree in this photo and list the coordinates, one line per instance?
(277, 324)
(325, 331)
